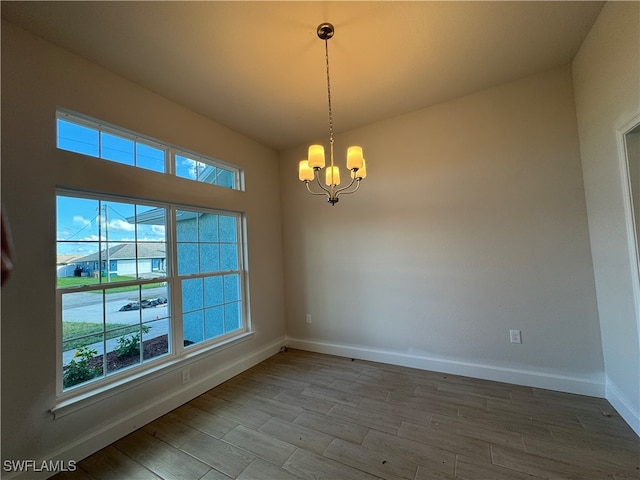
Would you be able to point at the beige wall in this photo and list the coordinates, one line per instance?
(607, 90)
(36, 78)
(472, 222)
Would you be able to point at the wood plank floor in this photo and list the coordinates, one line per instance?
(302, 415)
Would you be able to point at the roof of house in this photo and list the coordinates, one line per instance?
(67, 259)
(155, 215)
(127, 251)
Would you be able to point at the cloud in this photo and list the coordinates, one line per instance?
(80, 220)
(194, 167)
(121, 225)
(158, 229)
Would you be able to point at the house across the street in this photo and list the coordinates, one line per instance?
(151, 261)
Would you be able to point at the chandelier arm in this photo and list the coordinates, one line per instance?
(315, 193)
(325, 191)
(343, 190)
(340, 190)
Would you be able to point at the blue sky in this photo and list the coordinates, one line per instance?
(82, 222)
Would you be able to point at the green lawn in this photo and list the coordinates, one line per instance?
(81, 281)
(73, 330)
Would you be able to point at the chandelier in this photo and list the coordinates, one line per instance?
(309, 169)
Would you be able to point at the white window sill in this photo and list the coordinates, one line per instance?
(70, 402)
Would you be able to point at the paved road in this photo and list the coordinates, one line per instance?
(87, 307)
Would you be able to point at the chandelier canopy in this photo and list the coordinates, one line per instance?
(309, 169)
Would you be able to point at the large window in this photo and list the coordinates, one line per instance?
(120, 283)
(141, 283)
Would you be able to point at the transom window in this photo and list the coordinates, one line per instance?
(76, 133)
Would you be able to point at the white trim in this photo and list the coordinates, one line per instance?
(100, 438)
(624, 407)
(632, 241)
(592, 386)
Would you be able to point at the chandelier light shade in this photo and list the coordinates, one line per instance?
(309, 169)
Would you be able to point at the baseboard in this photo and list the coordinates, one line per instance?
(623, 406)
(98, 439)
(593, 387)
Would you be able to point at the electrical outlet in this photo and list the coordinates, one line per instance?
(308, 318)
(515, 336)
(186, 376)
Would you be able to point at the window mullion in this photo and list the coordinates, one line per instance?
(170, 160)
(104, 329)
(175, 284)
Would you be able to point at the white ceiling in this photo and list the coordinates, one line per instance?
(259, 68)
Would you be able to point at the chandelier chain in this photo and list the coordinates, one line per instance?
(326, 56)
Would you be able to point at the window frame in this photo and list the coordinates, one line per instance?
(76, 397)
(173, 280)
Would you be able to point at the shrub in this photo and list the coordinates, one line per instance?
(130, 345)
(78, 370)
